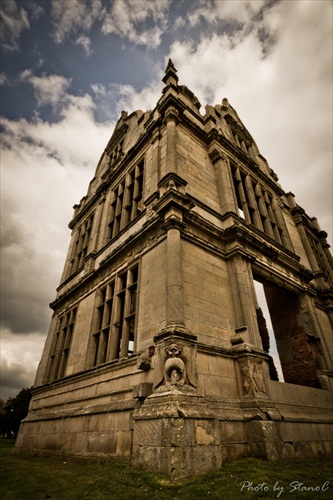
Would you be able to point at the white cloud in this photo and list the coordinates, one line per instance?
(36, 11)
(99, 89)
(126, 17)
(129, 99)
(139, 21)
(13, 20)
(3, 79)
(215, 11)
(86, 44)
(49, 89)
(74, 16)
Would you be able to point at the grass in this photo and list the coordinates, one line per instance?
(25, 477)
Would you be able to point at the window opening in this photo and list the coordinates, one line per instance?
(126, 201)
(294, 332)
(267, 334)
(257, 206)
(81, 246)
(114, 320)
(60, 347)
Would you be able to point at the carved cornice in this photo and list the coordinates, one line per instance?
(175, 332)
(172, 198)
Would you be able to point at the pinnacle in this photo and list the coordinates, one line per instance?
(170, 67)
(170, 77)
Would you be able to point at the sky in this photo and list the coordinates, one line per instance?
(68, 69)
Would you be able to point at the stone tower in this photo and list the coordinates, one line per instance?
(157, 347)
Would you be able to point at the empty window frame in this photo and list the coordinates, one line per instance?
(258, 206)
(267, 333)
(321, 259)
(60, 347)
(126, 201)
(116, 153)
(81, 245)
(298, 352)
(115, 318)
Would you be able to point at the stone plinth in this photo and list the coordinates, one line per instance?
(175, 433)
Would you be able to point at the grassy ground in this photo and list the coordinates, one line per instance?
(35, 478)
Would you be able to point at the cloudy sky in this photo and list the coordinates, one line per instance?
(68, 68)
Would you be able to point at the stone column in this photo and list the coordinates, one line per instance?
(107, 218)
(252, 202)
(174, 278)
(281, 223)
(171, 119)
(96, 241)
(242, 289)
(244, 299)
(225, 186)
(156, 167)
(308, 319)
(297, 213)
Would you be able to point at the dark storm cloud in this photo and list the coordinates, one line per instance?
(13, 376)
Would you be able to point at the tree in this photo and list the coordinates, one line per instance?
(15, 410)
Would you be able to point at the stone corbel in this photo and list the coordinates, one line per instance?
(216, 152)
(145, 360)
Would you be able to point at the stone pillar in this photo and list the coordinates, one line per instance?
(281, 223)
(171, 119)
(156, 167)
(242, 289)
(174, 279)
(297, 214)
(308, 319)
(97, 234)
(225, 187)
(252, 202)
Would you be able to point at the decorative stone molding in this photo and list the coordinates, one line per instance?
(252, 377)
(174, 367)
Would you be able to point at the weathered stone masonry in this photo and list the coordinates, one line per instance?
(157, 348)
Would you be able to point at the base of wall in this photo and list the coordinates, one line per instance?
(178, 432)
(182, 434)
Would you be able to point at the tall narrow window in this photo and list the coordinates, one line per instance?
(258, 207)
(128, 298)
(82, 242)
(267, 334)
(320, 256)
(126, 201)
(60, 347)
(113, 333)
(102, 324)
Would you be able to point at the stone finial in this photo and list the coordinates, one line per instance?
(225, 103)
(170, 77)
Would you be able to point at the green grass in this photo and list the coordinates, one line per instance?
(33, 478)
